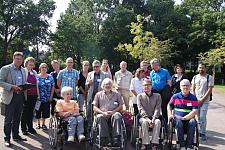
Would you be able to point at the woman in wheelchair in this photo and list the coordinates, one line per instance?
(149, 106)
(68, 110)
(107, 105)
(182, 110)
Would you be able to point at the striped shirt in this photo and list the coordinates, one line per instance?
(69, 78)
(183, 105)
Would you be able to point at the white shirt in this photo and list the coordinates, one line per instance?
(137, 86)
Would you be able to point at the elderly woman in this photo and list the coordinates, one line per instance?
(136, 87)
(177, 77)
(69, 111)
(108, 105)
(32, 94)
(105, 68)
(46, 90)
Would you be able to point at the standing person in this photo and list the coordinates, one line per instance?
(136, 87)
(46, 91)
(56, 66)
(11, 76)
(68, 77)
(144, 65)
(93, 85)
(82, 92)
(32, 95)
(105, 68)
(161, 83)
(123, 79)
(177, 77)
(202, 85)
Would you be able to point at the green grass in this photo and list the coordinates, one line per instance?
(220, 88)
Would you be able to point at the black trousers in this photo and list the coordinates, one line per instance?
(166, 94)
(27, 114)
(12, 115)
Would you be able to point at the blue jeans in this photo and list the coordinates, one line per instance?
(75, 125)
(80, 99)
(202, 117)
(190, 128)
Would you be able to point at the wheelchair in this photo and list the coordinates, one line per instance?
(58, 134)
(136, 129)
(172, 131)
(95, 140)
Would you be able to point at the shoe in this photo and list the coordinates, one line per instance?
(70, 139)
(25, 133)
(154, 146)
(7, 143)
(19, 138)
(81, 138)
(182, 148)
(104, 141)
(32, 131)
(44, 127)
(203, 137)
(190, 148)
(116, 141)
(38, 126)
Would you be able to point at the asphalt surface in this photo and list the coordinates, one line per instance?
(215, 130)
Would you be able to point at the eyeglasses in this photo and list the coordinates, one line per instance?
(96, 66)
(185, 85)
(70, 62)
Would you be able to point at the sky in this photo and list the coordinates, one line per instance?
(61, 6)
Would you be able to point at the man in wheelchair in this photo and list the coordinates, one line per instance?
(107, 105)
(149, 106)
(182, 109)
(68, 110)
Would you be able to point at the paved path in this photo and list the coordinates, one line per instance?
(216, 131)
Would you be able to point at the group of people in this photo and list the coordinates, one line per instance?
(70, 93)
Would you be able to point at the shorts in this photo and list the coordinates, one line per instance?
(44, 110)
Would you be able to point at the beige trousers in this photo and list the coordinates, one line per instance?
(126, 97)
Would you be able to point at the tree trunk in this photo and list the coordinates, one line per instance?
(214, 71)
(4, 54)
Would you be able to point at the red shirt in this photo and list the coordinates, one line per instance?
(147, 74)
(32, 79)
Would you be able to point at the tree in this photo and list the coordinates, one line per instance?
(145, 46)
(23, 20)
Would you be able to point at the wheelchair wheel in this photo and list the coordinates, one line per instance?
(196, 142)
(163, 134)
(123, 136)
(134, 131)
(170, 135)
(138, 144)
(55, 134)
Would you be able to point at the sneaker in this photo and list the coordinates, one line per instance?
(32, 131)
(70, 139)
(7, 143)
(25, 133)
(182, 148)
(203, 137)
(81, 138)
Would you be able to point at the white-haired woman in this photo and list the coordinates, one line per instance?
(46, 90)
(69, 111)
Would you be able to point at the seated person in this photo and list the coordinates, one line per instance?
(149, 106)
(184, 105)
(69, 111)
(108, 105)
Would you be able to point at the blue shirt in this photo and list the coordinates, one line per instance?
(159, 78)
(45, 85)
(69, 78)
(183, 105)
(19, 75)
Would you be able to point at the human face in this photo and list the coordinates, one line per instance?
(55, 66)
(201, 69)
(179, 70)
(69, 64)
(107, 87)
(85, 67)
(18, 60)
(155, 67)
(96, 68)
(141, 75)
(185, 88)
(147, 88)
(67, 96)
(123, 67)
(43, 69)
(30, 65)
(144, 66)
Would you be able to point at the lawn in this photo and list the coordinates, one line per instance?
(220, 88)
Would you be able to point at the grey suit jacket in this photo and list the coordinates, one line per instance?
(7, 79)
(90, 76)
(149, 106)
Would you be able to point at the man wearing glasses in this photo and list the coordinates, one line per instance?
(93, 85)
(68, 77)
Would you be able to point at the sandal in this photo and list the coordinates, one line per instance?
(44, 127)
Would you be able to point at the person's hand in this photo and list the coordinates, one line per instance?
(110, 113)
(90, 82)
(16, 88)
(75, 113)
(66, 114)
(105, 114)
(170, 118)
(200, 102)
(152, 124)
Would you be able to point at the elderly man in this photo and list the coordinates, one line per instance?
(202, 85)
(11, 77)
(68, 77)
(122, 82)
(161, 83)
(149, 106)
(108, 105)
(183, 107)
(93, 85)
